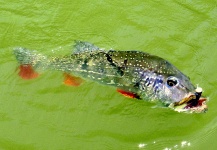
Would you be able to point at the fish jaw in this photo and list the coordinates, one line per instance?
(190, 105)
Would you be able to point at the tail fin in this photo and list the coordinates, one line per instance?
(27, 57)
(30, 61)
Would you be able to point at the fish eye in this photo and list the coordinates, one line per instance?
(172, 81)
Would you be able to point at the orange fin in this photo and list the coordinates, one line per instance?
(72, 80)
(27, 72)
(128, 94)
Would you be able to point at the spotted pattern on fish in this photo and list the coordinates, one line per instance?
(134, 71)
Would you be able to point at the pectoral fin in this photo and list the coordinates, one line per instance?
(128, 94)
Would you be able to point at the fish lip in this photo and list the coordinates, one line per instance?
(201, 106)
(191, 105)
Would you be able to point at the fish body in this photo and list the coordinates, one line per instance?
(146, 76)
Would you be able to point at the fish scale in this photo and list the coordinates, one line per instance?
(126, 70)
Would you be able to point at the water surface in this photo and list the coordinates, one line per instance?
(45, 114)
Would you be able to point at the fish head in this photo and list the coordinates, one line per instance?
(182, 94)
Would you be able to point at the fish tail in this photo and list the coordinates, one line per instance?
(30, 62)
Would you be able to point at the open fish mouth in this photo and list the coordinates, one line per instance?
(193, 103)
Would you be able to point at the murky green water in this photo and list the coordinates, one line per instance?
(44, 114)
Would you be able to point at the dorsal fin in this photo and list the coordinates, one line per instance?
(81, 46)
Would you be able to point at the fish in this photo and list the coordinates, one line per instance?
(135, 74)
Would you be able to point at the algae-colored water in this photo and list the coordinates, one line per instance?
(44, 114)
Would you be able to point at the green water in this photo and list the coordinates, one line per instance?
(44, 114)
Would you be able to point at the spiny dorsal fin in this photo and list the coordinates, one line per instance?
(81, 46)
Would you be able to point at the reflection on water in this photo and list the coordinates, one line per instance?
(182, 144)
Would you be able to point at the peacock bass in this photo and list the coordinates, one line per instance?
(136, 74)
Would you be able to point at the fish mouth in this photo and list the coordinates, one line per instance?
(193, 103)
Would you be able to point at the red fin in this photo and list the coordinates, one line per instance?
(27, 72)
(127, 94)
(72, 80)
